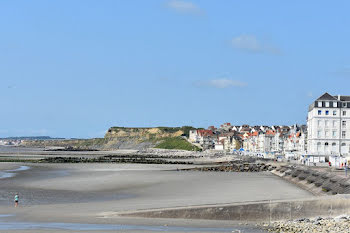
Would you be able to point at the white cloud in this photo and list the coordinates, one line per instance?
(250, 43)
(183, 6)
(221, 83)
(246, 42)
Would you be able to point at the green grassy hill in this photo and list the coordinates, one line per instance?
(177, 143)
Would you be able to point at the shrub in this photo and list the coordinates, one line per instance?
(177, 143)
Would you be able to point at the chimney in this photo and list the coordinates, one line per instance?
(338, 97)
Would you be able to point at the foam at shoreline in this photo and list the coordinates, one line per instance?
(12, 173)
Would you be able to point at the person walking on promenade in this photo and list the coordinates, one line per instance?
(16, 199)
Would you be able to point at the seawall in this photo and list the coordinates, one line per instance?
(264, 211)
(332, 198)
(319, 183)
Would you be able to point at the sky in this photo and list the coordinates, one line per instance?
(76, 68)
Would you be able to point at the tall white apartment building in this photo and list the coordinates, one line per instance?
(328, 126)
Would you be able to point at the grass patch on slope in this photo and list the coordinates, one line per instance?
(176, 143)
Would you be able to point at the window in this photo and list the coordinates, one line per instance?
(318, 146)
(335, 104)
(343, 148)
(334, 147)
(334, 113)
(318, 123)
(334, 133)
(344, 105)
(326, 123)
(319, 112)
(327, 134)
(334, 123)
(319, 104)
(319, 134)
(327, 112)
(327, 104)
(344, 113)
(343, 123)
(343, 134)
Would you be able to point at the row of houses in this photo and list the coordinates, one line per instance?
(326, 135)
(327, 132)
(277, 139)
(7, 142)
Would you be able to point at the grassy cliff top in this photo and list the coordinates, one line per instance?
(177, 143)
(151, 130)
(128, 137)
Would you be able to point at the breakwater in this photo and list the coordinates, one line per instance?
(237, 166)
(112, 159)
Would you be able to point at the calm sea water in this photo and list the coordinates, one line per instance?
(17, 225)
(13, 172)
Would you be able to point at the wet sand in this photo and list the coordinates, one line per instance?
(88, 193)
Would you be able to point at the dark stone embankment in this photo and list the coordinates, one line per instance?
(111, 159)
(70, 148)
(237, 166)
(317, 182)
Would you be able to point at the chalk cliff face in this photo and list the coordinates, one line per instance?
(144, 133)
(118, 138)
(140, 138)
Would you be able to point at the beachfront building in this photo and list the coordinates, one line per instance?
(205, 138)
(278, 144)
(265, 141)
(252, 139)
(276, 139)
(328, 126)
(296, 140)
(226, 127)
(200, 135)
(194, 136)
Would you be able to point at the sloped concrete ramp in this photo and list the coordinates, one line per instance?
(263, 211)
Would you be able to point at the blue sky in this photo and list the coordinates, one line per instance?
(75, 68)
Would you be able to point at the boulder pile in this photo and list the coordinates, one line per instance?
(339, 224)
(111, 159)
(238, 167)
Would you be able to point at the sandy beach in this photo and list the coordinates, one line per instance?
(96, 193)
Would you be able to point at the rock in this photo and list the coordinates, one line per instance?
(337, 224)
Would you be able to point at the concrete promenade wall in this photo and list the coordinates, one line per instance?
(265, 211)
(318, 182)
